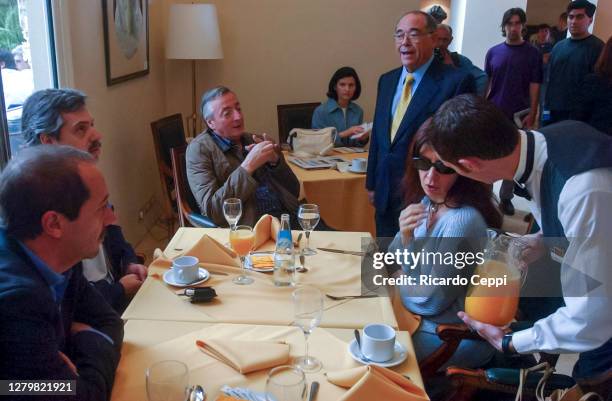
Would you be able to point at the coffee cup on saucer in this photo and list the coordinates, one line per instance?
(359, 164)
(186, 269)
(378, 342)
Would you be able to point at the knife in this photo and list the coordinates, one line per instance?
(314, 388)
(356, 253)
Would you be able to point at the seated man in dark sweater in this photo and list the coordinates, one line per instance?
(55, 326)
(60, 117)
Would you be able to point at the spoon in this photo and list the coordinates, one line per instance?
(197, 393)
(358, 338)
(302, 268)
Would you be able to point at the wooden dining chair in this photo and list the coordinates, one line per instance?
(290, 116)
(187, 206)
(168, 133)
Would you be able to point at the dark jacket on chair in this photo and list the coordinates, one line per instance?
(120, 255)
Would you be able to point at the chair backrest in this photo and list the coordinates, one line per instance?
(184, 197)
(189, 211)
(168, 133)
(298, 115)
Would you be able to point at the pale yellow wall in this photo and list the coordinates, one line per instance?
(544, 11)
(122, 112)
(285, 51)
(602, 26)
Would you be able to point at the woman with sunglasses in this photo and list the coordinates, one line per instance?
(445, 213)
(340, 110)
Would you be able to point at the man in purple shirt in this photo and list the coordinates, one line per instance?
(514, 68)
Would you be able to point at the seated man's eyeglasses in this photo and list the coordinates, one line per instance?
(413, 35)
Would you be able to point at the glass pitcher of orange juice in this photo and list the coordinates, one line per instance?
(495, 287)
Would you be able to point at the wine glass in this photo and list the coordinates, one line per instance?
(308, 308)
(308, 216)
(285, 383)
(242, 239)
(167, 381)
(232, 210)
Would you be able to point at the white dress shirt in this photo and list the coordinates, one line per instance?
(585, 212)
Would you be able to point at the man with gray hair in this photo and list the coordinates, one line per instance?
(55, 326)
(225, 162)
(60, 117)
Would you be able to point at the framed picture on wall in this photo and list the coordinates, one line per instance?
(126, 39)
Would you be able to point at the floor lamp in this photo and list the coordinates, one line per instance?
(193, 34)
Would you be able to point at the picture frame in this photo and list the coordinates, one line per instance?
(126, 39)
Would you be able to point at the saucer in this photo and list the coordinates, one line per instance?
(399, 355)
(356, 171)
(169, 278)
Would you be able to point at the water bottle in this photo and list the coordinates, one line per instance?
(284, 259)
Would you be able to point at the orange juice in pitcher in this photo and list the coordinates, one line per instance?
(495, 286)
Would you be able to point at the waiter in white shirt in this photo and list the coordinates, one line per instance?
(565, 169)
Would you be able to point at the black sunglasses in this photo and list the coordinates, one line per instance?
(424, 164)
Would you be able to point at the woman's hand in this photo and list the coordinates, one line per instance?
(354, 130)
(409, 219)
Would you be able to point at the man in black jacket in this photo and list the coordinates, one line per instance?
(60, 117)
(54, 325)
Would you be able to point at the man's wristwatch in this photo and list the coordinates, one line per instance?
(506, 340)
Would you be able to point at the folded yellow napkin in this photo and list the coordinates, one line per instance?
(207, 250)
(246, 356)
(376, 383)
(266, 229)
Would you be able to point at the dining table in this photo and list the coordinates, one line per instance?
(150, 341)
(341, 196)
(335, 274)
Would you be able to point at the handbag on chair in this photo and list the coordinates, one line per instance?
(569, 394)
(310, 142)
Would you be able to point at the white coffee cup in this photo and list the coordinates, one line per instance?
(360, 164)
(378, 342)
(186, 269)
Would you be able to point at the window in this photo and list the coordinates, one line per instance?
(27, 62)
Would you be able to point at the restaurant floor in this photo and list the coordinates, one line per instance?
(157, 237)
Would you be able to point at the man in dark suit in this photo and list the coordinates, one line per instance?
(55, 326)
(407, 96)
(60, 117)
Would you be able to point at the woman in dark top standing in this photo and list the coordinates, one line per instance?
(594, 103)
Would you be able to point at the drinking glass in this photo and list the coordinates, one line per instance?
(167, 381)
(242, 239)
(308, 216)
(497, 304)
(286, 383)
(308, 308)
(232, 210)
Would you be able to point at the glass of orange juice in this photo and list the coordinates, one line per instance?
(493, 296)
(242, 239)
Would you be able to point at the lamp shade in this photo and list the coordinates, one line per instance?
(193, 32)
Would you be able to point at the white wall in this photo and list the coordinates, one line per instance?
(480, 25)
(122, 112)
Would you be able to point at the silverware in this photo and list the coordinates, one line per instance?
(299, 238)
(302, 268)
(197, 393)
(336, 298)
(358, 338)
(314, 389)
(356, 253)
